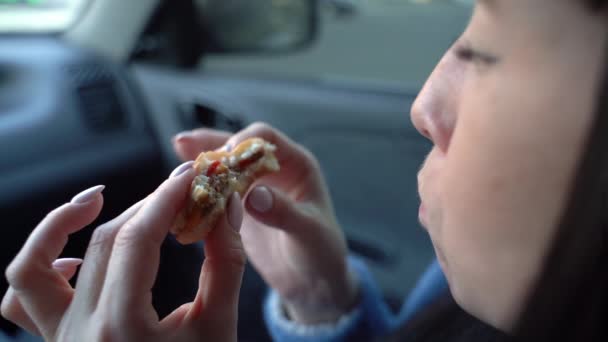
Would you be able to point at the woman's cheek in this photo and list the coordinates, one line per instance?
(482, 241)
(503, 187)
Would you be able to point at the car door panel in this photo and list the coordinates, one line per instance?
(368, 149)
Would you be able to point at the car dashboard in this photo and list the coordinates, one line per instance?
(68, 120)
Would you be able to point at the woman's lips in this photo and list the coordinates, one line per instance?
(422, 214)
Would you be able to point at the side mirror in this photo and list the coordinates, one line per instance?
(257, 26)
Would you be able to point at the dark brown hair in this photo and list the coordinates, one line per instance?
(570, 301)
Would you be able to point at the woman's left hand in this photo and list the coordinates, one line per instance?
(113, 300)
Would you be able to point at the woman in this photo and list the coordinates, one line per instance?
(510, 109)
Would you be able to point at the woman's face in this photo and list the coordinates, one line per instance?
(508, 109)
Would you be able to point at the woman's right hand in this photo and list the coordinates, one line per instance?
(289, 231)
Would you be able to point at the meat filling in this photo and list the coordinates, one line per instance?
(213, 183)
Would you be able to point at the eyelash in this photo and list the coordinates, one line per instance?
(468, 54)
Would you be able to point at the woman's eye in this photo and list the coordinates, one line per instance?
(468, 54)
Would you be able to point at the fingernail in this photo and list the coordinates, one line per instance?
(66, 263)
(235, 212)
(181, 169)
(260, 199)
(182, 136)
(87, 195)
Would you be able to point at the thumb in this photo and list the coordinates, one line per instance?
(188, 145)
(276, 209)
(222, 272)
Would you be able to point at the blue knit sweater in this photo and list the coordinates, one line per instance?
(370, 318)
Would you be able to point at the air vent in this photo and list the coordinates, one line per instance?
(99, 102)
(88, 73)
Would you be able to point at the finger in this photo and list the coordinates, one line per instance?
(13, 311)
(222, 271)
(297, 163)
(288, 151)
(134, 260)
(67, 267)
(11, 306)
(176, 318)
(275, 209)
(43, 292)
(188, 145)
(93, 271)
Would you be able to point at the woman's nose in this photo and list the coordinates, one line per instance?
(420, 118)
(429, 116)
(434, 112)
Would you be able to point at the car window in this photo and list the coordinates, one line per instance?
(394, 42)
(18, 16)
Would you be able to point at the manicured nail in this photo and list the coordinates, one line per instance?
(235, 212)
(87, 195)
(182, 136)
(260, 199)
(181, 169)
(66, 263)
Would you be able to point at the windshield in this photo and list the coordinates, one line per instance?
(31, 16)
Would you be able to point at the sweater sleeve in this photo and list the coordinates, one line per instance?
(370, 318)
